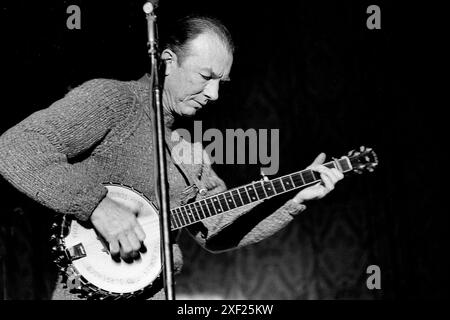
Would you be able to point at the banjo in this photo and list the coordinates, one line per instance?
(83, 257)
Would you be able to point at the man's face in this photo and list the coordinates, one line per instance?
(193, 83)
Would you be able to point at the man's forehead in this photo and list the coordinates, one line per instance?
(208, 46)
(208, 53)
(207, 40)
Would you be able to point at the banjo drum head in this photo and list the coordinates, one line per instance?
(100, 269)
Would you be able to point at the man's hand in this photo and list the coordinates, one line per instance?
(119, 226)
(319, 190)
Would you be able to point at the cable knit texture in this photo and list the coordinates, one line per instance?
(99, 132)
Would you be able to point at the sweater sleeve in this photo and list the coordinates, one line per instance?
(244, 225)
(36, 154)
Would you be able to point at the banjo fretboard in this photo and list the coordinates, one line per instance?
(260, 190)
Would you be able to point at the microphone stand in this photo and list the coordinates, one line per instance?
(160, 155)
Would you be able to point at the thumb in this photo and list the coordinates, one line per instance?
(320, 159)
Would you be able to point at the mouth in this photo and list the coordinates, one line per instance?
(199, 105)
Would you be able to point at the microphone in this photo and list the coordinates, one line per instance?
(150, 5)
(149, 8)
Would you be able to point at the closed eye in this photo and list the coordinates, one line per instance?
(205, 77)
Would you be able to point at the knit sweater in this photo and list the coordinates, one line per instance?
(101, 132)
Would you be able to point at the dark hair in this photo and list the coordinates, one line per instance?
(190, 27)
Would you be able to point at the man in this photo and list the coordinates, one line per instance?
(101, 131)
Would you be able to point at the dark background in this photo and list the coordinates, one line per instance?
(309, 68)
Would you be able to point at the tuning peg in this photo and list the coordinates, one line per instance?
(57, 248)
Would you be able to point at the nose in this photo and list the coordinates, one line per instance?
(211, 90)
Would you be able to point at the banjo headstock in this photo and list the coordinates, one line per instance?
(364, 159)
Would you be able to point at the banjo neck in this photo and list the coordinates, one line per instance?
(255, 191)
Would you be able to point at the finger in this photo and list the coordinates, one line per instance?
(140, 233)
(211, 183)
(134, 242)
(313, 188)
(319, 159)
(114, 247)
(334, 174)
(331, 175)
(324, 170)
(125, 246)
(339, 175)
(329, 185)
(214, 183)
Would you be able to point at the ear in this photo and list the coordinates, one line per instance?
(170, 59)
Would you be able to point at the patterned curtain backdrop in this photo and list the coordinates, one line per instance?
(324, 254)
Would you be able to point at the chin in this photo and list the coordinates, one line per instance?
(189, 112)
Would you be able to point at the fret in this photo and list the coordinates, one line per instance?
(251, 192)
(205, 206)
(174, 214)
(177, 218)
(216, 204)
(223, 202)
(260, 190)
(185, 215)
(190, 213)
(230, 202)
(244, 195)
(301, 177)
(307, 176)
(268, 188)
(237, 198)
(180, 216)
(200, 210)
(340, 164)
(290, 177)
(330, 165)
(316, 175)
(278, 186)
(172, 221)
(211, 207)
(287, 183)
(220, 203)
(345, 164)
(195, 214)
(297, 178)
